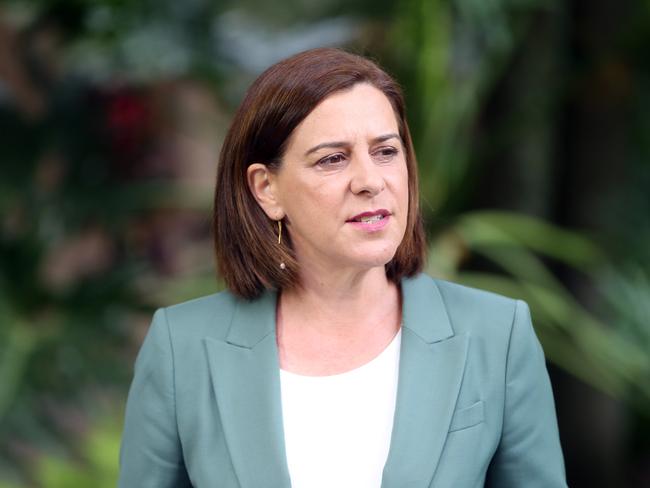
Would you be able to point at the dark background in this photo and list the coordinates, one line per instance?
(531, 121)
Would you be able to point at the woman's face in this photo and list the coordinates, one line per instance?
(343, 182)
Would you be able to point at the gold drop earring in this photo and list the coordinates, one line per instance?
(282, 265)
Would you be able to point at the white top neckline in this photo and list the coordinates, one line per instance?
(388, 350)
(337, 428)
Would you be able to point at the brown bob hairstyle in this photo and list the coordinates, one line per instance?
(245, 239)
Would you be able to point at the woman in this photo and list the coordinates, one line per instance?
(331, 361)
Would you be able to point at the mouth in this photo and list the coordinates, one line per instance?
(370, 217)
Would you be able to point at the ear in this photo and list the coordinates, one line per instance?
(261, 182)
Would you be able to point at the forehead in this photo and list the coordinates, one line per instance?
(360, 111)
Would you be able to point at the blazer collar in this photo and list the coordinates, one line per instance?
(252, 321)
(245, 376)
(423, 311)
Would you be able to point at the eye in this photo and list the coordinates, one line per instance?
(386, 153)
(332, 160)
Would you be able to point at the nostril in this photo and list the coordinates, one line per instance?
(367, 182)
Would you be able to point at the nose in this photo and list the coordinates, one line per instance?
(366, 176)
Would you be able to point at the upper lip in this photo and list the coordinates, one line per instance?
(382, 211)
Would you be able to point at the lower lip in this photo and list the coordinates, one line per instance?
(371, 226)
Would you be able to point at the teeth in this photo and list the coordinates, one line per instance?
(374, 218)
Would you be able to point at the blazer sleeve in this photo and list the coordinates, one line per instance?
(150, 453)
(529, 453)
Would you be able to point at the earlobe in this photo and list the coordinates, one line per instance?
(261, 184)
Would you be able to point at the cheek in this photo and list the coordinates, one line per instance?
(308, 204)
(400, 185)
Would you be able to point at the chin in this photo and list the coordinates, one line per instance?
(373, 258)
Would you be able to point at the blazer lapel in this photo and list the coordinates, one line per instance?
(245, 376)
(432, 361)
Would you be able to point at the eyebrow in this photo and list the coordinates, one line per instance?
(338, 144)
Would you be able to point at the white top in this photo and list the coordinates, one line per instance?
(337, 428)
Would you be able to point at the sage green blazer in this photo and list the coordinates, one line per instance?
(474, 403)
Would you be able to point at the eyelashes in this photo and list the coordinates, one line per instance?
(386, 153)
(381, 155)
(332, 160)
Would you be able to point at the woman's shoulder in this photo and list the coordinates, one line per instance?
(456, 294)
(459, 294)
(205, 315)
(469, 310)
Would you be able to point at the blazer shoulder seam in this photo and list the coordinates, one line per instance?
(173, 363)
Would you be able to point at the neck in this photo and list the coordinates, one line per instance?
(341, 300)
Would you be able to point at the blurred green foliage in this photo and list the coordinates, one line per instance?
(96, 468)
(94, 465)
(612, 356)
(76, 131)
